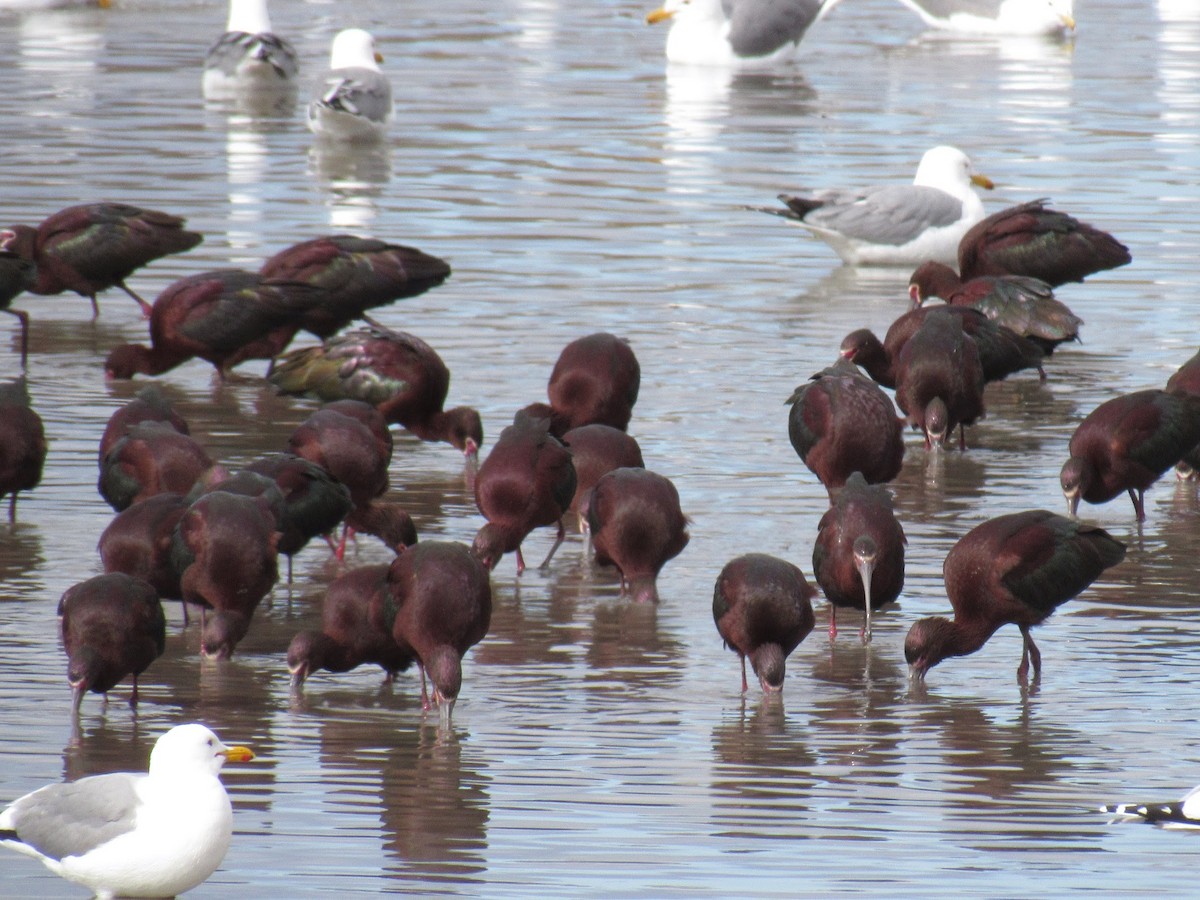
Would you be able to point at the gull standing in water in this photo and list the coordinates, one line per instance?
(1051, 18)
(355, 99)
(249, 56)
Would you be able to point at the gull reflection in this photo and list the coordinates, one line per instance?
(352, 177)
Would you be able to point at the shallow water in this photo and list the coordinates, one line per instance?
(575, 185)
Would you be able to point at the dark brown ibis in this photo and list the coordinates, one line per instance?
(858, 557)
(1186, 380)
(112, 627)
(95, 246)
(637, 526)
(153, 458)
(22, 444)
(17, 274)
(149, 405)
(595, 451)
(138, 542)
(1013, 569)
(763, 609)
(1125, 445)
(842, 422)
(939, 379)
(398, 373)
(595, 380)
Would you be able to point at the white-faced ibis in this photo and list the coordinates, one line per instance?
(134, 835)
(352, 275)
(637, 526)
(842, 422)
(22, 444)
(1022, 18)
(355, 629)
(17, 274)
(443, 606)
(939, 379)
(354, 100)
(226, 317)
(112, 627)
(526, 482)
(1026, 306)
(1030, 239)
(95, 246)
(249, 56)
(149, 405)
(897, 225)
(398, 373)
(1183, 813)
(153, 458)
(1001, 351)
(1125, 445)
(138, 542)
(858, 558)
(225, 553)
(1186, 380)
(594, 381)
(595, 451)
(763, 609)
(741, 36)
(1013, 569)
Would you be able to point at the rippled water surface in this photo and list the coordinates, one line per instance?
(577, 185)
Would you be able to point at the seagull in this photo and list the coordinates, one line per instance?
(355, 100)
(897, 225)
(1183, 813)
(248, 56)
(1049, 18)
(134, 835)
(738, 33)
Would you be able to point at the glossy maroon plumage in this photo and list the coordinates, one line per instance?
(398, 373)
(226, 559)
(95, 246)
(939, 379)
(1013, 569)
(22, 444)
(594, 381)
(763, 609)
(859, 552)
(1031, 239)
(1186, 380)
(149, 405)
(1125, 445)
(225, 316)
(526, 482)
(352, 275)
(443, 606)
(355, 629)
(153, 458)
(637, 526)
(138, 542)
(17, 274)
(1026, 306)
(112, 627)
(595, 451)
(842, 422)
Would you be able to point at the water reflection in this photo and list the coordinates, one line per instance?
(352, 177)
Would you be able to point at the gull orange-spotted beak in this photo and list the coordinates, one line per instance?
(238, 754)
(982, 181)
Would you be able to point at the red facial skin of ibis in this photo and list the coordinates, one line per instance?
(225, 316)
(842, 422)
(17, 275)
(138, 542)
(637, 526)
(398, 373)
(595, 451)
(526, 482)
(153, 458)
(1030, 239)
(859, 550)
(355, 629)
(351, 276)
(1186, 380)
(95, 246)
(227, 563)
(763, 609)
(1125, 445)
(940, 364)
(443, 606)
(148, 406)
(1025, 306)
(594, 381)
(1014, 569)
(22, 444)
(112, 627)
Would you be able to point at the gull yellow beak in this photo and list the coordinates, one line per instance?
(378, 57)
(658, 15)
(1068, 22)
(982, 181)
(238, 754)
